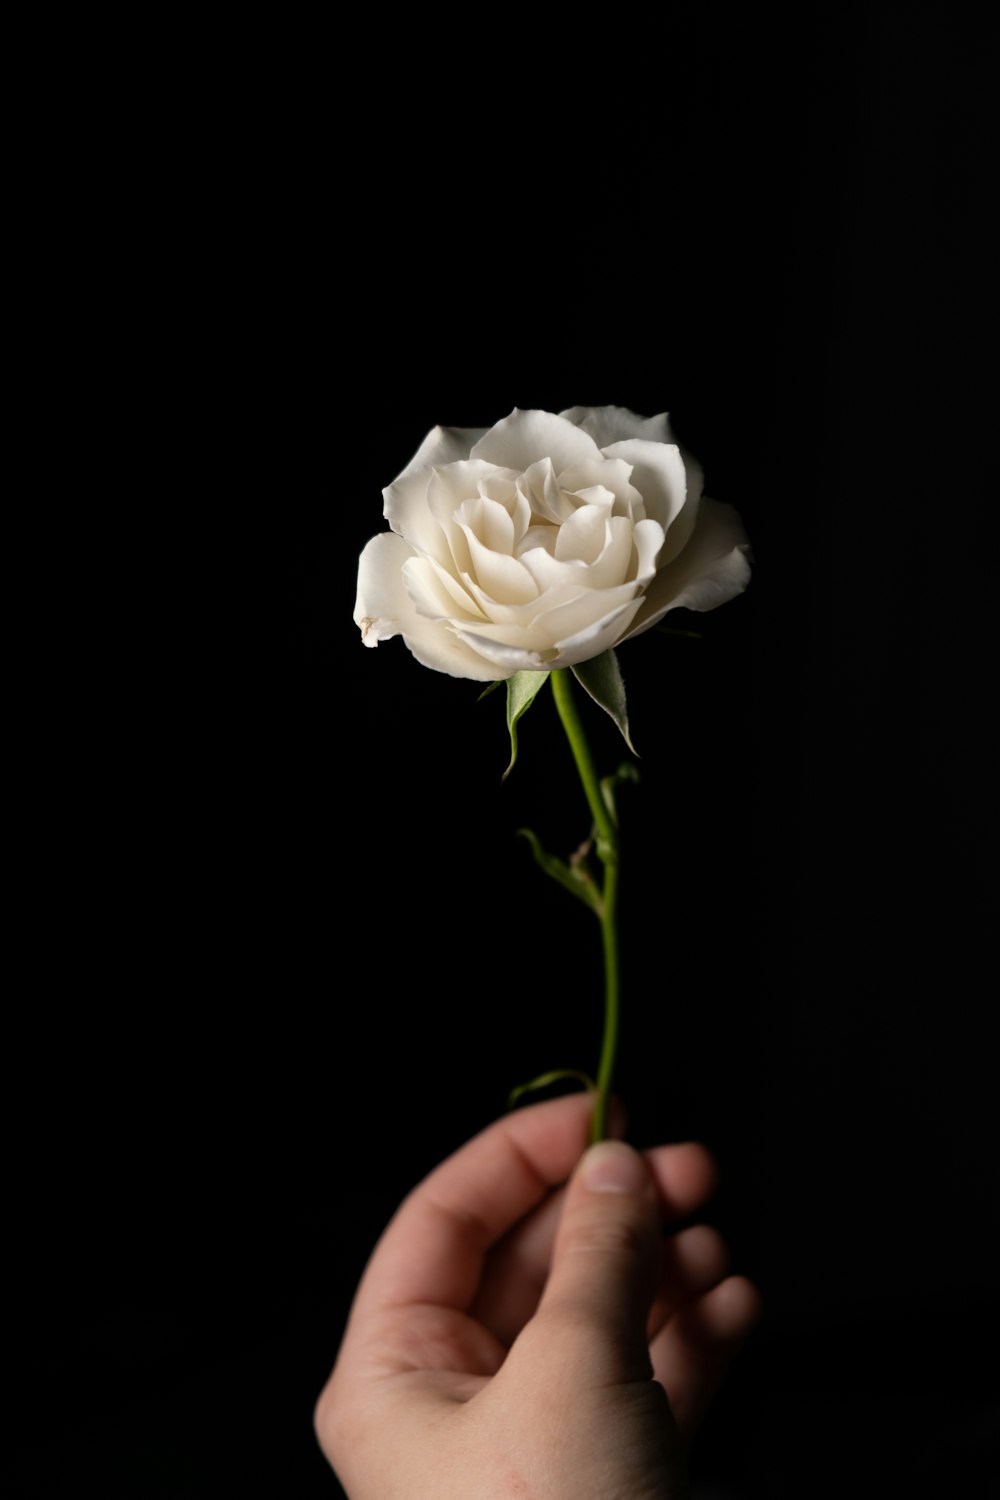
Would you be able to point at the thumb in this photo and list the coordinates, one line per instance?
(605, 1265)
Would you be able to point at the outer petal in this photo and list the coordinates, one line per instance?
(588, 616)
(405, 502)
(585, 644)
(443, 445)
(612, 424)
(595, 639)
(500, 660)
(406, 507)
(438, 647)
(695, 473)
(526, 436)
(384, 609)
(713, 567)
(381, 597)
(615, 424)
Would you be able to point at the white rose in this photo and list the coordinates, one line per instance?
(543, 542)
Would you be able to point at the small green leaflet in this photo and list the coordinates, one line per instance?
(575, 878)
(544, 1079)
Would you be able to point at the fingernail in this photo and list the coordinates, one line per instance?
(613, 1167)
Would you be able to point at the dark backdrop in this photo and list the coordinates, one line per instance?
(288, 950)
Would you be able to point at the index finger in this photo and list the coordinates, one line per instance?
(434, 1247)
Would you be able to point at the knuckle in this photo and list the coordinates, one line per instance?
(332, 1420)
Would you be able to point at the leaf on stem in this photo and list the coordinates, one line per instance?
(544, 1079)
(601, 677)
(575, 878)
(522, 690)
(625, 772)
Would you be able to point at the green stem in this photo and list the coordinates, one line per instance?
(607, 850)
(612, 993)
(562, 691)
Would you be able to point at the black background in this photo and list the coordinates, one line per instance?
(285, 950)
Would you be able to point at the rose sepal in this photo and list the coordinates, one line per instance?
(601, 677)
(522, 690)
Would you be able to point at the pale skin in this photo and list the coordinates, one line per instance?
(533, 1325)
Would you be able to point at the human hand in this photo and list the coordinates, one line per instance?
(518, 1337)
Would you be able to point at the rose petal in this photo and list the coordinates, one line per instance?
(596, 639)
(695, 472)
(499, 661)
(526, 436)
(541, 538)
(490, 522)
(436, 593)
(648, 539)
(454, 485)
(658, 474)
(420, 503)
(551, 572)
(582, 537)
(405, 506)
(502, 578)
(613, 565)
(444, 445)
(580, 621)
(448, 490)
(608, 474)
(713, 567)
(563, 615)
(523, 616)
(384, 609)
(541, 492)
(381, 596)
(589, 642)
(440, 647)
(611, 424)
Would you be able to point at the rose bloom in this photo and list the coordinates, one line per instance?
(543, 542)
